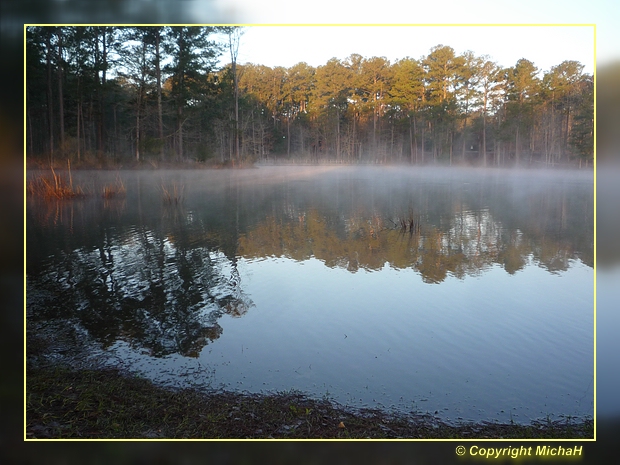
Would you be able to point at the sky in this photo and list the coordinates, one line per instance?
(545, 46)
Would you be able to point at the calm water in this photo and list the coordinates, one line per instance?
(465, 293)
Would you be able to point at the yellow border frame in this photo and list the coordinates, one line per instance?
(316, 25)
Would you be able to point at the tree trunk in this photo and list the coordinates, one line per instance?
(138, 134)
(463, 146)
(338, 134)
(255, 150)
(179, 132)
(288, 137)
(433, 130)
(160, 123)
(566, 132)
(29, 118)
(415, 140)
(392, 141)
(233, 43)
(78, 126)
(237, 154)
(115, 134)
(422, 145)
(100, 62)
(498, 145)
(484, 131)
(411, 145)
(140, 97)
(50, 112)
(484, 139)
(61, 112)
(179, 138)
(354, 142)
(374, 126)
(91, 125)
(553, 145)
(517, 146)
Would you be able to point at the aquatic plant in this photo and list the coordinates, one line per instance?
(172, 195)
(411, 224)
(55, 186)
(114, 190)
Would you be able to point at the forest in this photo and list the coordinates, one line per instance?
(124, 96)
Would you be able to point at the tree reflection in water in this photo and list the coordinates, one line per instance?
(460, 243)
(161, 290)
(160, 277)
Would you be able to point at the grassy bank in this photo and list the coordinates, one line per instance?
(65, 403)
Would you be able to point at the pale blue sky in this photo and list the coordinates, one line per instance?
(288, 45)
(545, 47)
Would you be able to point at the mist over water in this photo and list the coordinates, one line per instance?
(463, 292)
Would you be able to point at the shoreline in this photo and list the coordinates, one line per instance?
(66, 403)
(37, 164)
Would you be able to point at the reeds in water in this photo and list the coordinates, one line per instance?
(115, 190)
(55, 186)
(172, 195)
(410, 224)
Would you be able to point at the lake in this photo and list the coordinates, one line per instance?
(464, 293)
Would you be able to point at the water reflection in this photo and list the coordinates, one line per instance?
(461, 240)
(156, 288)
(309, 258)
(162, 275)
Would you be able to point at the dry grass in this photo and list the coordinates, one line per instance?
(172, 195)
(54, 186)
(115, 190)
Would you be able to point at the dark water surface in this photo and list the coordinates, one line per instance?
(466, 293)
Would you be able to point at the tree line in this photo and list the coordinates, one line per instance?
(156, 94)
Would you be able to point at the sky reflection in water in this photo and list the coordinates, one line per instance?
(469, 294)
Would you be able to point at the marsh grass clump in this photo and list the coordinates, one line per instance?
(54, 186)
(409, 224)
(172, 195)
(115, 190)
